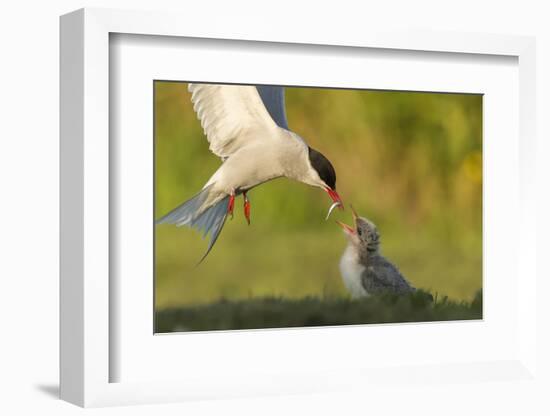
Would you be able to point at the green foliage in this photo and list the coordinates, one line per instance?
(272, 312)
(411, 162)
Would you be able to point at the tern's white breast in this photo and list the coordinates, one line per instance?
(351, 270)
(261, 161)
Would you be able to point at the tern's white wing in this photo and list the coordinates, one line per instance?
(227, 113)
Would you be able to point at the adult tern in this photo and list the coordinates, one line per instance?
(246, 126)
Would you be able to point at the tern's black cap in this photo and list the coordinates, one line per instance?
(323, 167)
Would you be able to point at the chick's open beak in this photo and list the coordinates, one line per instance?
(355, 216)
(347, 229)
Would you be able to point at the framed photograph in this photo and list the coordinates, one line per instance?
(252, 215)
(416, 154)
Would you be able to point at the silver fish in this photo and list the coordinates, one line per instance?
(336, 204)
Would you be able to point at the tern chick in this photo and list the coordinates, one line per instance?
(364, 270)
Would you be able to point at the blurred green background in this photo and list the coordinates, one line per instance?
(411, 162)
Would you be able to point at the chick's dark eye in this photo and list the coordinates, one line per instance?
(359, 232)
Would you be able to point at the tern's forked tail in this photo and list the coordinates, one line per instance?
(208, 220)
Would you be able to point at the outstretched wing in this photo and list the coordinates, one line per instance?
(228, 113)
(273, 98)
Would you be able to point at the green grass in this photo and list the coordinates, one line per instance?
(270, 312)
(264, 261)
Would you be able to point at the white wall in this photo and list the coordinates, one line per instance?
(29, 188)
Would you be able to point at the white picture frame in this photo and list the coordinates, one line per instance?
(87, 356)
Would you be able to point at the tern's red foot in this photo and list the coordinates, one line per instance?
(231, 205)
(247, 208)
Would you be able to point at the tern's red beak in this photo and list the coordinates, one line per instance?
(335, 197)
